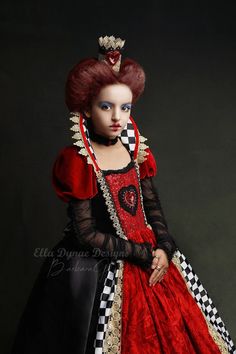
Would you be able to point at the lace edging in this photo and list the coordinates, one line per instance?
(112, 342)
(75, 118)
(141, 157)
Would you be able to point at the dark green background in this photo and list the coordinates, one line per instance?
(188, 51)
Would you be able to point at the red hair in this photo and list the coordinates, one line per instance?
(89, 76)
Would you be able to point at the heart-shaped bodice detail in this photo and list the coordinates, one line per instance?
(128, 198)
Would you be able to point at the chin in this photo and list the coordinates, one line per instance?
(113, 134)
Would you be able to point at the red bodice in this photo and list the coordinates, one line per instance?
(124, 188)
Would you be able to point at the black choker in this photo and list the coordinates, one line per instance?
(100, 139)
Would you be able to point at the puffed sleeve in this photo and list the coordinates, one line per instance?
(72, 176)
(148, 168)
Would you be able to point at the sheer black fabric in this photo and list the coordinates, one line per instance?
(104, 244)
(156, 218)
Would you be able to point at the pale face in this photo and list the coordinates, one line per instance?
(110, 110)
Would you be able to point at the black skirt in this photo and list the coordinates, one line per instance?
(61, 314)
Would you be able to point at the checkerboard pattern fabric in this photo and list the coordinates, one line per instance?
(128, 136)
(204, 301)
(86, 131)
(106, 300)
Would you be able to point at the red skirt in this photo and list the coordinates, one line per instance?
(164, 318)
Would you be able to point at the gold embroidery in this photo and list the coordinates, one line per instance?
(141, 194)
(109, 202)
(213, 332)
(112, 342)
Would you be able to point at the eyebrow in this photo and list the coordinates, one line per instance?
(110, 103)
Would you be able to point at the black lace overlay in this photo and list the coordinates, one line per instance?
(156, 218)
(84, 226)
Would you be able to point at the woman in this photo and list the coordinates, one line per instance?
(117, 281)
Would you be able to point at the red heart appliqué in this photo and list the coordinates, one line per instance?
(128, 198)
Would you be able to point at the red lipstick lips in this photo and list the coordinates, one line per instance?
(115, 125)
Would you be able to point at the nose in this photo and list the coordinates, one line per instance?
(116, 114)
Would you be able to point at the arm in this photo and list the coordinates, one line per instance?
(156, 218)
(84, 227)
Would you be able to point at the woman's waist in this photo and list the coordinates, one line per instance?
(143, 234)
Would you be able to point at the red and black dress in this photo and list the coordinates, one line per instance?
(96, 298)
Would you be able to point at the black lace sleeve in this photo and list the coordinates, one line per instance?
(156, 218)
(114, 247)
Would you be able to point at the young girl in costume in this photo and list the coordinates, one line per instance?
(117, 282)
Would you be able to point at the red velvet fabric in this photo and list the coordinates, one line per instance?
(164, 318)
(73, 177)
(148, 168)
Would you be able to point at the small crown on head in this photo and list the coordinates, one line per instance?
(111, 43)
(110, 51)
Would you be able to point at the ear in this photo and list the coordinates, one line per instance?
(87, 114)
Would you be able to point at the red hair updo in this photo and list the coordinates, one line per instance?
(89, 76)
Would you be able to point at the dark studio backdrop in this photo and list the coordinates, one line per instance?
(187, 112)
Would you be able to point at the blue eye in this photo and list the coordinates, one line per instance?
(126, 107)
(105, 106)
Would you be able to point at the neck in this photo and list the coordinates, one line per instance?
(98, 138)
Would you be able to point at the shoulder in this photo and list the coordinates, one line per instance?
(72, 176)
(148, 168)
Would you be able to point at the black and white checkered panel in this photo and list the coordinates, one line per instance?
(87, 137)
(204, 301)
(106, 301)
(128, 136)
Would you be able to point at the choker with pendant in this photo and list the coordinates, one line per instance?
(100, 139)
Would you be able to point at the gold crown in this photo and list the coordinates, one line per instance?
(110, 51)
(111, 43)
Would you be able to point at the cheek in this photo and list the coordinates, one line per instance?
(100, 116)
(126, 115)
(96, 114)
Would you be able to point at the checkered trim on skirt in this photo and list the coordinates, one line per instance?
(106, 301)
(204, 301)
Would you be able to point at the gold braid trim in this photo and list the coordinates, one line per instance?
(213, 332)
(141, 156)
(112, 342)
(76, 117)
